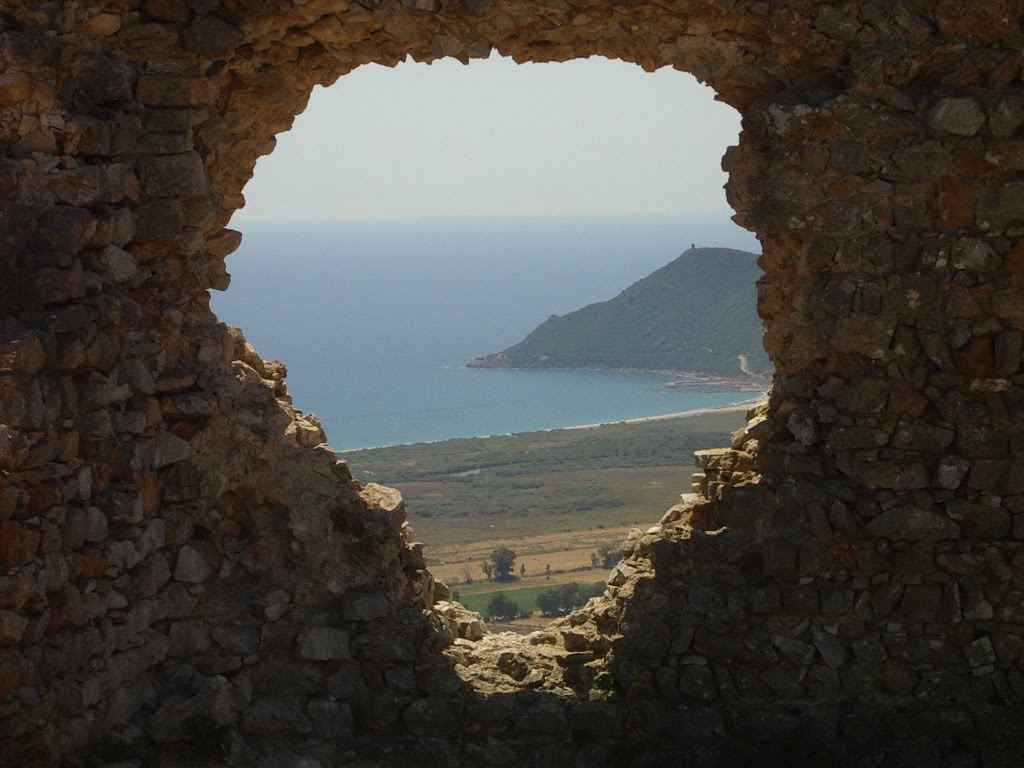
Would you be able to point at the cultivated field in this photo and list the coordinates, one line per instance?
(554, 497)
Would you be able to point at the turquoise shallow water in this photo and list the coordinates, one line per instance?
(380, 407)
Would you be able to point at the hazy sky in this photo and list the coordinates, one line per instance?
(496, 138)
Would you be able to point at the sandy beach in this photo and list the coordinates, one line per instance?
(733, 407)
(742, 406)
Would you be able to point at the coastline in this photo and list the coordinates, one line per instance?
(740, 406)
(748, 382)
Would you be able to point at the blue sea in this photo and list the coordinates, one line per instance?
(376, 319)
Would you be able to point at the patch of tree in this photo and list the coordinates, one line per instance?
(499, 565)
(560, 600)
(500, 606)
(605, 556)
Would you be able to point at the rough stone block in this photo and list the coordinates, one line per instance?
(323, 644)
(12, 627)
(798, 652)
(99, 79)
(823, 682)
(433, 717)
(854, 438)
(980, 653)
(869, 650)
(1008, 347)
(167, 90)
(188, 638)
(102, 25)
(1006, 117)
(923, 438)
(539, 716)
(65, 228)
(165, 449)
(829, 646)
(959, 115)
(18, 543)
(894, 476)
(189, 405)
(166, 176)
(979, 521)
(913, 524)
(697, 682)
(212, 37)
(238, 640)
(195, 563)
(800, 600)
(331, 720)
(962, 564)
(159, 221)
(275, 716)
(920, 604)
(951, 472)
(187, 719)
(864, 335)
(780, 679)
(603, 718)
(365, 606)
(15, 88)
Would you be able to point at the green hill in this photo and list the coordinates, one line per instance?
(697, 314)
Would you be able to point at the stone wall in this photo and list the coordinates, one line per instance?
(188, 576)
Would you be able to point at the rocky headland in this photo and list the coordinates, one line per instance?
(695, 316)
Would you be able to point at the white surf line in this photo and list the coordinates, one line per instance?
(741, 406)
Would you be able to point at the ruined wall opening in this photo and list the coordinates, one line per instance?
(434, 214)
(183, 566)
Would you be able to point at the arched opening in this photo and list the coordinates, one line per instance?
(183, 566)
(434, 214)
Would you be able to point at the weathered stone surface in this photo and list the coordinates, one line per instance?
(913, 524)
(323, 644)
(12, 627)
(210, 36)
(172, 175)
(159, 221)
(241, 640)
(164, 449)
(432, 717)
(166, 517)
(194, 565)
(186, 719)
(829, 646)
(14, 88)
(895, 476)
(102, 24)
(331, 719)
(365, 606)
(960, 115)
(274, 716)
(119, 263)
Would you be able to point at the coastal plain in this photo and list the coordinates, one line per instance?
(553, 496)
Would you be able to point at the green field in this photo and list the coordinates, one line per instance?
(553, 473)
(524, 596)
(554, 497)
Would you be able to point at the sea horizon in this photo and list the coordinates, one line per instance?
(376, 319)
